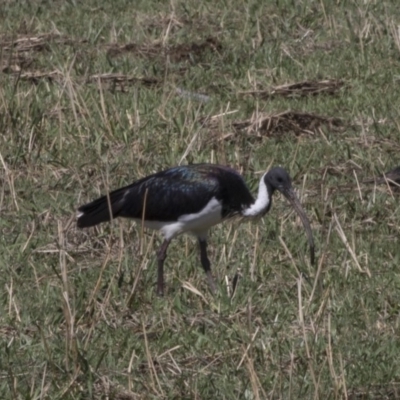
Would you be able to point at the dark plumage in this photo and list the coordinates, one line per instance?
(170, 193)
(190, 198)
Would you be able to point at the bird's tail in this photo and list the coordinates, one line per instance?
(99, 210)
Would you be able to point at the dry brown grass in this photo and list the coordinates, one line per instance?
(300, 89)
(186, 52)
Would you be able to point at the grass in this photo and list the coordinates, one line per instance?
(79, 317)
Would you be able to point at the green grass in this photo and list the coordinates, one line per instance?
(79, 317)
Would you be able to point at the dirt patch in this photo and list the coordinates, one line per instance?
(300, 89)
(298, 123)
(192, 52)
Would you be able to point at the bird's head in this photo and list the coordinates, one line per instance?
(278, 179)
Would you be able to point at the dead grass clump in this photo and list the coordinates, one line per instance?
(37, 76)
(298, 123)
(16, 53)
(118, 82)
(178, 53)
(34, 43)
(300, 89)
(25, 43)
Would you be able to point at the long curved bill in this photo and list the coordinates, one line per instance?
(294, 201)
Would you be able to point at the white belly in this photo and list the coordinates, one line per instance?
(198, 223)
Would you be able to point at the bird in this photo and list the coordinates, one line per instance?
(191, 199)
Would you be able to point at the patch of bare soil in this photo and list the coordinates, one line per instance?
(300, 89)
(192, 52)
(296, 122)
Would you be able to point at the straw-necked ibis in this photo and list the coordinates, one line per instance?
(191, 198)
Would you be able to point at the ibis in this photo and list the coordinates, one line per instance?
(191, 199)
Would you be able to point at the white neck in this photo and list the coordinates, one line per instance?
(259, 207)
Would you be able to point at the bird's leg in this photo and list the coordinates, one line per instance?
(205, 262)
(161, 256)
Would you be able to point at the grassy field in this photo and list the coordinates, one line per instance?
(96, 94)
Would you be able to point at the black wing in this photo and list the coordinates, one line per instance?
(167, 195)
